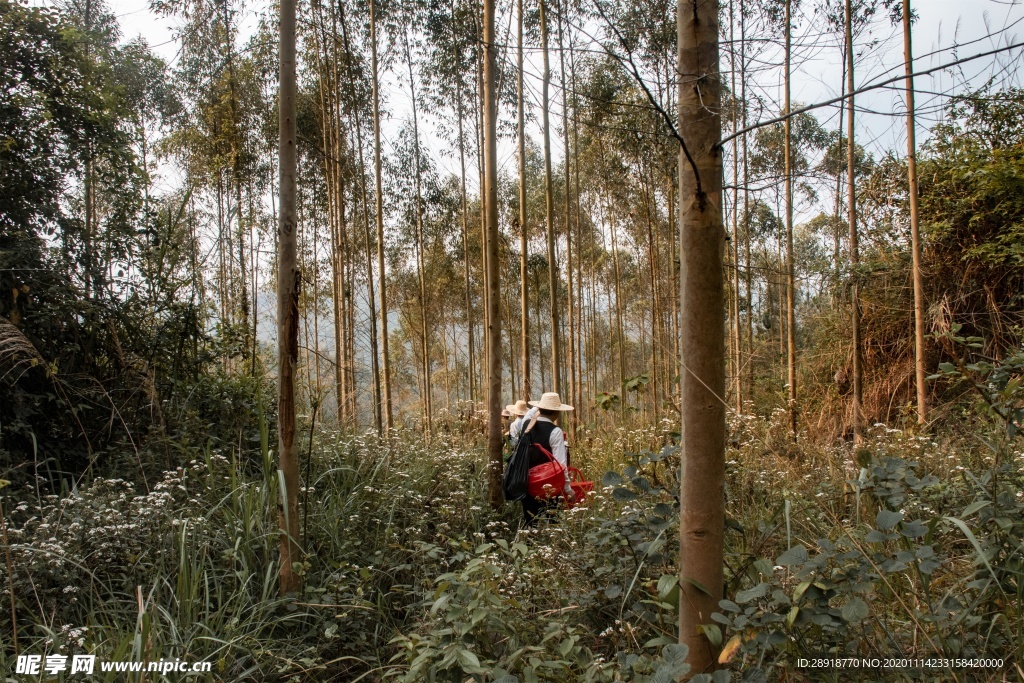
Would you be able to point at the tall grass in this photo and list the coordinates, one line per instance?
(189, 570)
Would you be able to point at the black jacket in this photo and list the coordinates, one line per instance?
(541, 433)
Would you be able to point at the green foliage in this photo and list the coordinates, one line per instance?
(47, 118)
(606, 400)
(409, 576)
(108, 351)
(477, 624)
(972, 214)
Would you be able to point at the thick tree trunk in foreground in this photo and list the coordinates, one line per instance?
(288, 280)
(492, 274)
(915, 233)
(702, 509)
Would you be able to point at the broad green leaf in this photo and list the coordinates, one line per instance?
(611, 479)
(887, 519)
(621, 493)
(855, 611)
(675, 653)
(470, 662)
(729, 606)
(666, 583)
(800, 590)
(758, 591)
(794, 556)
(974, 507)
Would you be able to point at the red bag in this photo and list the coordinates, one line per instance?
(581, 489)
(548, 480)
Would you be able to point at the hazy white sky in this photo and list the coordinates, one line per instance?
(942, 24)
(817, 75)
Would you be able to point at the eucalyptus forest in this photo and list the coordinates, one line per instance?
(272, 287)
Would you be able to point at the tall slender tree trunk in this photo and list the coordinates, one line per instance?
(836, 239)
(734, 243)
(702, 480)
(549, 203)
(851, 192)
(222, 263)
(580, 327)
(350, 328)
(746, 212)
(236, 170)
(288, 288)
(915, 232)
(470, 322)
(540, 334)
(338, 291)
(652, 262)
(420, 247)
(343, 326)
(790, 279)
(676, 283)
(327, 91)
(620, 331)
(490, 198)
(524, 290)
(371, 296)
(574, 416)
(481, 173)
(444, 358)
(379, 206)
(507, 312)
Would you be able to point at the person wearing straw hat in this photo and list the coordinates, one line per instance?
(520, 410)
(549, 435)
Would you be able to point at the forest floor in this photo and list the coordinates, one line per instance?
(906, 547)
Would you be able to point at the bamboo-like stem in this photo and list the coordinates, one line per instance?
(851, 191)
(524, 289)
(379, 211)
(790, 276)
(549, 204)
(915, 231)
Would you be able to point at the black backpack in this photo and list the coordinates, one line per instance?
(513, 483)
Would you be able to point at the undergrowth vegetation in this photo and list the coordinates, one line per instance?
(905, 545)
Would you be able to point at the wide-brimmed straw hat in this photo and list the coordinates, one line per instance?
(551, 401)
(520, 408)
